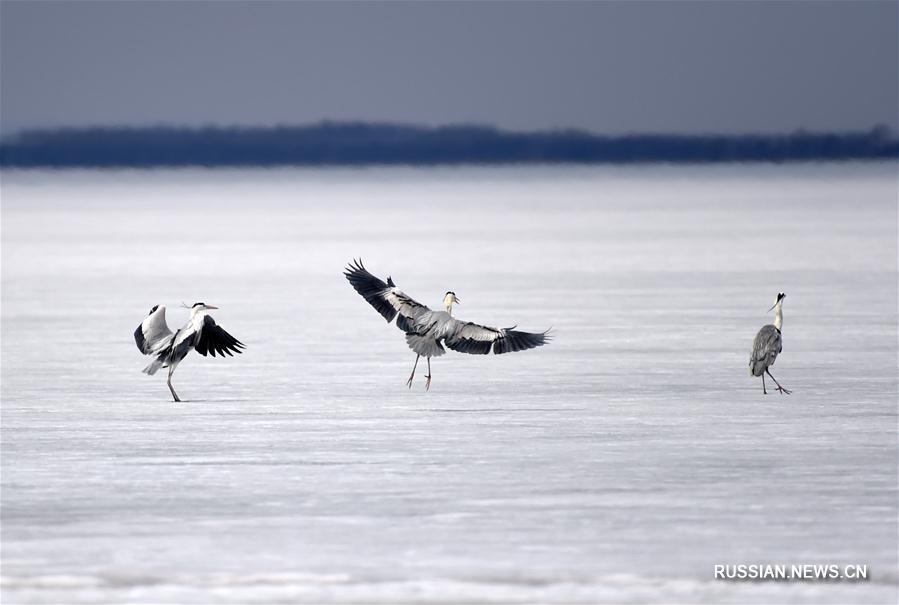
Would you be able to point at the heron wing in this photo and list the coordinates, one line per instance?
(765, 348)
(385, 297)
(153, 333)
(213, 339)
(469, 337)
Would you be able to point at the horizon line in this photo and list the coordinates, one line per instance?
(373, 143)
(878, 128)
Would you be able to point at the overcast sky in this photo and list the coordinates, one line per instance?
(604, 66)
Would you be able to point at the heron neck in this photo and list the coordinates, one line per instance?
(778, 317)
(449, 308)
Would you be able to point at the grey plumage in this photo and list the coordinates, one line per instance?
(428, 331)
(424, 344)
(765, 348)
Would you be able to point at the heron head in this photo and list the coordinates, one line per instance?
(448, 300)
(780, 297)
(200, 306)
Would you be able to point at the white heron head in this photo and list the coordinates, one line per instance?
(448, 300)
(780, 298)
(199, 307)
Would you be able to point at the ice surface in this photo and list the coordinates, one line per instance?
(618, 464)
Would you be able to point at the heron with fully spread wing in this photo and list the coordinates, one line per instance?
(153, 337)
(427, 331)
(767, 345)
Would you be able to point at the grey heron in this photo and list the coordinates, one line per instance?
(767, 346)
(427, 330)
(153, 337)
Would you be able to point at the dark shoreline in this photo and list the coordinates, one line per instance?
(368, 144)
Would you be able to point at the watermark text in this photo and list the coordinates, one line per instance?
(804, 572)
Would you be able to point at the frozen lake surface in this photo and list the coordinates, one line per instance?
(618, 464)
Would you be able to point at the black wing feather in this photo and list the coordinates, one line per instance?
(371, 288)
(471, 345)
(140, 341)
(513, 340)
(405, 323)
(472, 338)
(213, 339)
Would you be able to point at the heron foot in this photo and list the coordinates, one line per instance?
(783, 390)
(428, 383)
(174, 394)
(409, 382)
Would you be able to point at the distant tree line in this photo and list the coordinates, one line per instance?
(369, 144)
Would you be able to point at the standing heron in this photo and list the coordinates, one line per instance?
(153, 337)
(427, 330)
(767, 346)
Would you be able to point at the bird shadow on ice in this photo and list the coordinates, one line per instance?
(186, 402)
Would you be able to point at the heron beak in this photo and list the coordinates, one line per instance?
(211, 307)
(456, 300)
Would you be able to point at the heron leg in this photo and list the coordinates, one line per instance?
(409, 382)
(763, 385)
(169, 382)
(779, 388)
(428, 383)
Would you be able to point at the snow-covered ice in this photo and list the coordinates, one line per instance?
(618, 464)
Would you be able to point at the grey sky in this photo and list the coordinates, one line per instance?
(607, 67)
